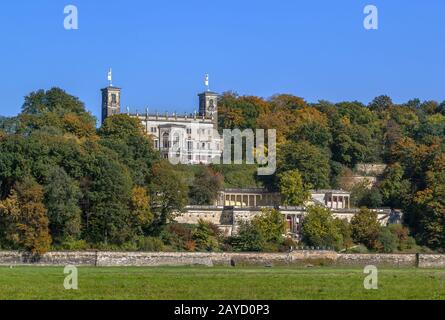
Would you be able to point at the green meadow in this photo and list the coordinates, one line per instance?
(219, 283)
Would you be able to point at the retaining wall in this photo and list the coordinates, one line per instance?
(296, 258)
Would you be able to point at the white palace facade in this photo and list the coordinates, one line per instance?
(187, 139)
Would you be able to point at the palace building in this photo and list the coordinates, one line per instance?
(187, 139)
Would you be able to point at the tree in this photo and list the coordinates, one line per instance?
(62, 196)
(169, 194)
(140, 209)
(271, 225)
(356, 132)
(293, 191)
(287, 102)
(429, 205)
(344, 227)
(394, 187)
(381, 103)
(311, 125)
(205, 187)
(24, 219)
(58, 109)
(320, 229)
(107, 196)
(372, 198)
(365, 228)
(237, 112)
(125, 136)
(309, 160)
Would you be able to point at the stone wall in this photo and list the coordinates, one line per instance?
(390, 260)
(153, 259)
(431, 261)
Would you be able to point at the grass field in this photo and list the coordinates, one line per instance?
(220, 283)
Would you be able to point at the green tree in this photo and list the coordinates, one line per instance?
(205, 187)
(344, 227)
(271, 225)
(125, 136)
(394, 187)
(292, 188)
(429, 205)
(365, 228)
(309, 160)
(62, 196)
(320, 229)
(107, 196)
(381, 103)
(169, 194)
(56, 108)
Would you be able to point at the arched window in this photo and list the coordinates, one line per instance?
(166, 141)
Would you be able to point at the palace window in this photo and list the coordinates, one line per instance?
(176, 140)
(165, 141)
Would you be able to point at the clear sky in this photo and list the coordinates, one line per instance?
(160, 50)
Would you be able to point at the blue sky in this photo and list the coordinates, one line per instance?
(160, 50)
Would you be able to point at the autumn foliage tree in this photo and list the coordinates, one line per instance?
(25, 220)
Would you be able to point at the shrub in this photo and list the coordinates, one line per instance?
(190, 245)
(344, 227)
(249, 239)
(358, 249)
(206, 236)
(177, 235)
(150, 244)
(387, 241)
(73, 245)
(402, 235)
(127, 246)
(287, 244)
